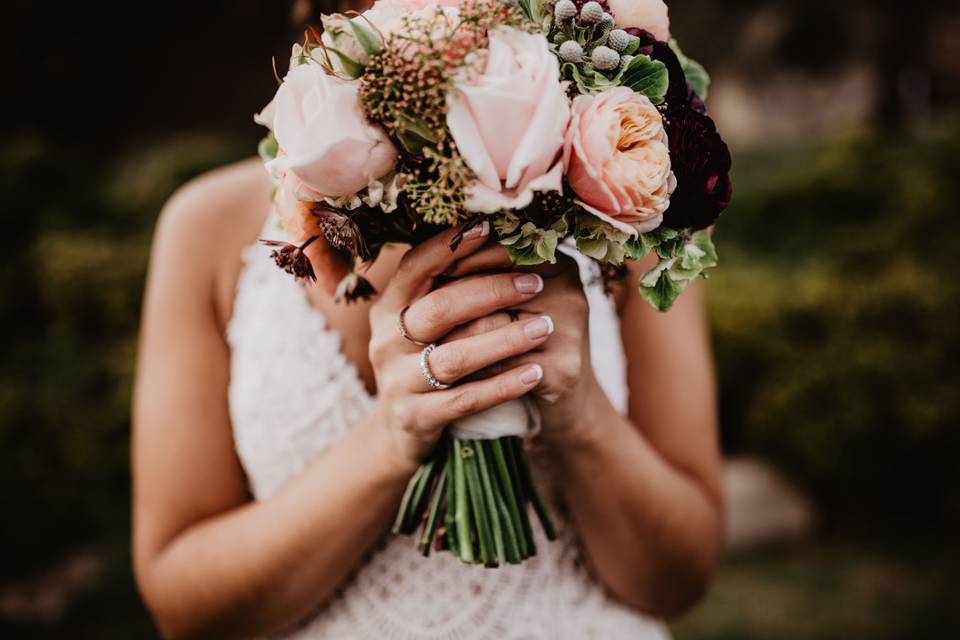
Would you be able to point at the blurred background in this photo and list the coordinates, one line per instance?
(835, 313)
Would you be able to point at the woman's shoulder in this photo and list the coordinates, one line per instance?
(204, 228)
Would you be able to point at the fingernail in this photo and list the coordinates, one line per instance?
(538, 327)
(481, 230)
(532, 374)
(528, 283)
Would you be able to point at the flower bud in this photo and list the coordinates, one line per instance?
(618, 40)
(571, 51)
(607, 21)
(625, 61)
(605, 58)
(591, 13)
(564, 10)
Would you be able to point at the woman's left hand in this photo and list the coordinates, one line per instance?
(569, 389)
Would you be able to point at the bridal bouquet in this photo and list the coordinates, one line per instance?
(557, 122)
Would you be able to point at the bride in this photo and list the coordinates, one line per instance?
(275, 431)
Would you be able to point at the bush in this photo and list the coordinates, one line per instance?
(835, 316)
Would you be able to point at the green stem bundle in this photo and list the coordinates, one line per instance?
(471, 499)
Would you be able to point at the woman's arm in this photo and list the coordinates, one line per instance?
(209, 561)
(645, 491)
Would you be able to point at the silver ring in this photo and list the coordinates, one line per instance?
(402, 326)
(425, 369)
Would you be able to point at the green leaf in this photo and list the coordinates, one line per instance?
(525, 256)
(368, 39)
(648, 77)
(546, 246)
(593, 247)
(637, 248)
(697, 77)
(350, 66)
(704, 241)
(632, 47)
(268, 147)
(660, 290)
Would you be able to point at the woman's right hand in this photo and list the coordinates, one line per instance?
(413, 411)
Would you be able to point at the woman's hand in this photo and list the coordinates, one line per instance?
(413, 411)
(569, 389)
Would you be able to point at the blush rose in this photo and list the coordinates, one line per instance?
(618, 161)
(326, 140)
(507, 116)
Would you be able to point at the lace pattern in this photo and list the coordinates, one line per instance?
(275, 337)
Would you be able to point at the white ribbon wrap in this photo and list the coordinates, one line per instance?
(515, 418)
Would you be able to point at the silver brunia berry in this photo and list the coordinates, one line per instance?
(564, 10)
(571, 51)
(605, 58)
(618, 40)
(591, 13)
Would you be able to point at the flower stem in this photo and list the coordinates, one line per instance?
(462, 515)
(433, 519)
(475, 490)
(510, 447)
(492, 514)
(538, 505)
(507, 488)
(511, 541)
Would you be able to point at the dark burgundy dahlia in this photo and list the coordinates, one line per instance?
(699, 156)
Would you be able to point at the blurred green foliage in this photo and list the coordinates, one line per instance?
(834, 313)
(836, 316)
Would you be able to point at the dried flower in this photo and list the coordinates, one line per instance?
(354, 287)
(292, 259)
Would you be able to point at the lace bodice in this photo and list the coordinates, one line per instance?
(276, 337)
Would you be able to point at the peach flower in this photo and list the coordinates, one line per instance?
(507, 117)
(327, 141)
(618, 161)
(650, 15)
(294, 203)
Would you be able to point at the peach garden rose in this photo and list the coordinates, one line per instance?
(617, 159)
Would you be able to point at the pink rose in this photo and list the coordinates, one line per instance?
(507, 116)
(294, 203)
(618, 161)
(650, 15)
(326, 140)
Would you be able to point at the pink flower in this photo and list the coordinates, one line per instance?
(507, 116)
(650, 15)
(295, 203)
(415, 5)
(326, 140)
(618, 161)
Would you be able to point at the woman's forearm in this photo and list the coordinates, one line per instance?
(653, 533)
(264, 566)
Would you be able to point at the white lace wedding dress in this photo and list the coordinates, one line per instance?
(292, 393)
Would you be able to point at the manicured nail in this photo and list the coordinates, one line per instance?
(538, 327)
(528, 283)
(481, 230)
(532, 374)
